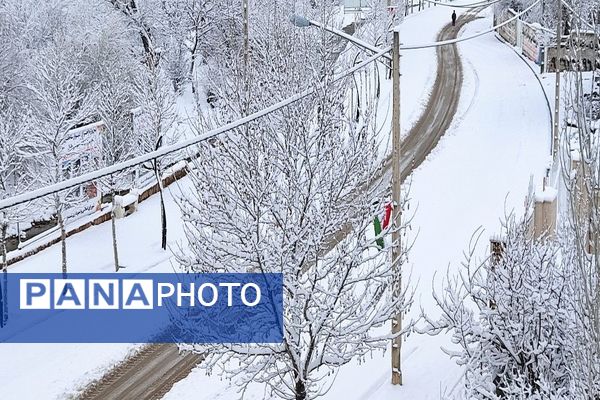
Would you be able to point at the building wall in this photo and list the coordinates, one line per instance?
(527, 37)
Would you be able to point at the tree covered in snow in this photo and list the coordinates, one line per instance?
(60, 103)
(115, 101)
(580, 161)
(155, 127)
(546, 12)
(511, 319)
(187, 27)
(15, 177)
(287, 194)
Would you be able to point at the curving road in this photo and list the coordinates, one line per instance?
(152, 372)
(442, 104)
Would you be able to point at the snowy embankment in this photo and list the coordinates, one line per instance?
(60, 369)
(480, 170)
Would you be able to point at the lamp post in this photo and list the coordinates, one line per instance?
(396, 175)
(302, 22)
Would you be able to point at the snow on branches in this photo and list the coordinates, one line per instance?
(511, 318)
(290, 194)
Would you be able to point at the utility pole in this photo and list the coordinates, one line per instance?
(397, 212)
(246, 56)
(557, 87)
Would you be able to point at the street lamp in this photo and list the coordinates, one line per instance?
(299, 21)
(303, 22)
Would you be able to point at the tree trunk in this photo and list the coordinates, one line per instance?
(4, 285)
(131, 10)
(193, 63)
(300, 390)
(163, 212)
(163, 219)
(63, 241)
(114, 236)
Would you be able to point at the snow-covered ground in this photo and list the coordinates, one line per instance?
(60, 369)
(418, 72)
(498, 139)
(480, 170)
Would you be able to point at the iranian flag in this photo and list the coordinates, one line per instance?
(379, 226)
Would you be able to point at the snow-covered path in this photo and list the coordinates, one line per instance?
(498, 138)
(480, 169)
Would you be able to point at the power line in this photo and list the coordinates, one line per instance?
(472, 5)
(91, 176)
(453, 41)
(94, 175)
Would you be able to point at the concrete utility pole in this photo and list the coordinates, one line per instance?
(557, 87)
(397, 213)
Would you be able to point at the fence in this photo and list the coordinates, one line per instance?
(527, 37)
(538, 44)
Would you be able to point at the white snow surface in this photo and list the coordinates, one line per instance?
(59, 370)
(480, 169)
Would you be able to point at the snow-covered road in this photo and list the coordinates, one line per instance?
(479, 170)
(498, 138)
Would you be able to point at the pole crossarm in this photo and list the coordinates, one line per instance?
(163, 151)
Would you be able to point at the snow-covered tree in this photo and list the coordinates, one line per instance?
(15, 177)
(115, 100)
(511, 318)
(156, 128)
(60, 104)
(288, 194)
(139, 20)
(580, 156)
(185, 25)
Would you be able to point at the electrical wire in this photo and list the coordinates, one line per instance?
(458, 40)
(94, 175)
(472, 5)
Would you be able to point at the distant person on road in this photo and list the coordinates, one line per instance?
(453, 18)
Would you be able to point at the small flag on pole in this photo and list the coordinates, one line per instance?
(379, 227)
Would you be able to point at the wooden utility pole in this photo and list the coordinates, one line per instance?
(557, 87)
(397, 213)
